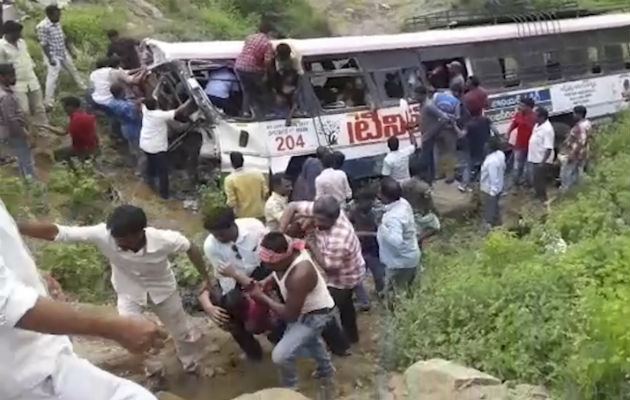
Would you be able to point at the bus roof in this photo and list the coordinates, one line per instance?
(355, 44)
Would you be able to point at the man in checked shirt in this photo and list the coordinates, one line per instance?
(336, 249)
(251, 67)
(58, 52)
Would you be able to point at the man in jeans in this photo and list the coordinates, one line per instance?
(307, 308)
(12, 128)
(524, 121)
(336, 249)
(154, 140)
(57, 52)
(540, 152)
(251, 67)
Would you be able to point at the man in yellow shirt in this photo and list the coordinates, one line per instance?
(13, 50)
(246, 190)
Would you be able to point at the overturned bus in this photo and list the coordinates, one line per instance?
(583, 60)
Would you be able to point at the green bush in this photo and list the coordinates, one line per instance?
(515, 308)
(85, 193)
(85, 27)
(80, 269)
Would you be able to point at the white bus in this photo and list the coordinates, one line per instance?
(580, 61)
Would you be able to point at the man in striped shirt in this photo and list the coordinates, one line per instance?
(336, 249)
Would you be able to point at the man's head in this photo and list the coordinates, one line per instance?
(494, 144)
(326, 211)
(220, 223)
(265, 26)
(118, 90)
(126, 225)
(321, 152)
(526, 104)
(457, 89)
(579, 113)
(390, 190)
(542, 114)
(70, 104)
(473, 82)
(112, 34)
(328, 161)
(102, 62)
(12, 31)
(283, 52)
(236, 159)
(365, 199)
(419, 94)
(150, 103)
(7, 75)
(340, 158)
(392, 143)
(281, 184)
(53, 13)
(276, 251)
(455, 68)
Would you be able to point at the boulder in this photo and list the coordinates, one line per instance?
(273, 394)
(441, 379)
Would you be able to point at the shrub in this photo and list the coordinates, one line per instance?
(80, 269)
(86, 26)
(86, 193)
(516, 308)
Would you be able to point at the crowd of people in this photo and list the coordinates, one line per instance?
(289, 264)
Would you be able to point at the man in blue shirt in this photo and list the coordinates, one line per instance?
(448, 102)
(396, 236)
(127, 113)
(221, 88)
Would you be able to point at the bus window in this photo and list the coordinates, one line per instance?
(489, 71)
(389, 84)
(509, 68)
(339, 91)
(332, 64)
(593, 59)
(437, 72)
(411, 79)
(626, 55)
(552, 65)
(575, 61)
(613, 57)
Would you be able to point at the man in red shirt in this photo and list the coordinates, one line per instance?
(251, 67)
(82, 131)
(476, 98)
(523, 121)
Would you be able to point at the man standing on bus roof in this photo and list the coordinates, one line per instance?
(251, 67)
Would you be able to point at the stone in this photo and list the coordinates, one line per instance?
(168, 396)
(273, 394)
(528, 392)
(441, 379)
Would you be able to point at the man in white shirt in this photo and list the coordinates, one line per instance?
(540, 152)
(154, 140)
(141, 270)
(232, 242)
(491, 182)
(332, 181)
(14, 50)
(37, 358)
(107, 73)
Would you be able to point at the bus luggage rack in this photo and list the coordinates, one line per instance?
(520, 12)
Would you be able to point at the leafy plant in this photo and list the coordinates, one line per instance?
(518, 309)
(80, 269)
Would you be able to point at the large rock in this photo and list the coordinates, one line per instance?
(272, 394)
(445, 380)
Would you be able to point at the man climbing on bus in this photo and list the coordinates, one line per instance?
(252, 65)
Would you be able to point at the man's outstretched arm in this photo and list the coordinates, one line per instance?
(39, 230)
